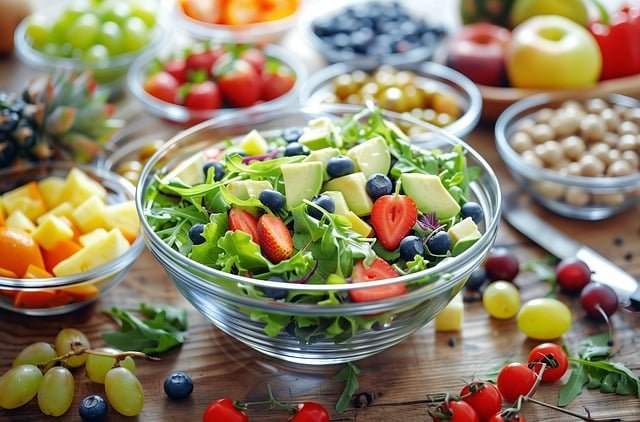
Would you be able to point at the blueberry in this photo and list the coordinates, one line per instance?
(323, 201)
(272, 199)
(340, 41)
(178, 385)
(295, 148)
(8, 120)
(7, 152)
(291, 134)
(477, 279)
(439, 243)
(218, 170)
(93, 409)
(195, 234)
(340, 166)
(473, 210)
(411, 246)
(274, 292)
(378, 185)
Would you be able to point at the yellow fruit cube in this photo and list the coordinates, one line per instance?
(93, 255)
(92, 236)
(18, 220)
(50, 189)
(51, 231)
(451, 317)
(90, 214)
(78, 187)
(358, 225)
(123, 216)
(61, 210)
(26, 198)
(254, 144)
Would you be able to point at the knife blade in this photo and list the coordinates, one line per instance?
(515, 209)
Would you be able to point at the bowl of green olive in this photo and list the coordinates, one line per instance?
(579, 158)
(429, 92)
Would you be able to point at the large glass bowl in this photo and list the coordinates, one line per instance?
(218, 295)
(599, 197)
(104, 277)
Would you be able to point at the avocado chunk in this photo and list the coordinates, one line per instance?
(189, 171)
(318, 134)
(371, 156)
(463, 234)
(301, 181)
(323, 155)
(338, 198)
(245, 189)
(353, 188)
(429, 194)
(359, 226)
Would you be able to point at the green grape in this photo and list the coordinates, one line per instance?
(116, 10)
(34, 354)
(111, 37)
(98, 366)
(144, 11)
(124, 391)
(84, 31)
(135, 34)
(39, 30)
(19, 385)
(501, 299)
(55, 394)
(96, 54)
(65, 338)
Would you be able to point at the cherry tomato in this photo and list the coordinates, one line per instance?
(163, 86)
(224, 410)
(507, 418)
(310, 411)
(515, 380)
(555, 358)
(454, 411)
(484, 397)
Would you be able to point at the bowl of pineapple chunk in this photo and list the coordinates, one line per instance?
(68, 234)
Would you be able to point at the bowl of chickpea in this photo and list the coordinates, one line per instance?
(579, 158)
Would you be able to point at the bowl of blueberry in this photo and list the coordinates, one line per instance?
(320, 235)
(371, 33)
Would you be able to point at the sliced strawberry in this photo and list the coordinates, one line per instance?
(393, 217)
(274, 238)
(245, 222)
(378, 270)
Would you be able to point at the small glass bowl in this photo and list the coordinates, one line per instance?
(217, 295)
(182, 115)
(318, 90)
(253, 33)
(579, 197)
(110, 74)
(104, 277)
(326, 10)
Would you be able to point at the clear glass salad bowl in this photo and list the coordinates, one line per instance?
(323, 334)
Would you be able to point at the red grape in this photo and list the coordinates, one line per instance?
(501, 264)
(572, 275)
(595, 294)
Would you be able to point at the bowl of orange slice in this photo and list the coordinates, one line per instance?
(67, 235)
(239, 21)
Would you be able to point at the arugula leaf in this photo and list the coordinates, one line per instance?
(573, 387)
(348, 375)
(165, 328)
(207, 253)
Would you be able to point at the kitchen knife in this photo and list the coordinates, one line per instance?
(515, 209)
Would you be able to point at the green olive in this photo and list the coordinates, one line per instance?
(344, 85)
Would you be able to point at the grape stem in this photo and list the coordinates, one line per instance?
(117, 356)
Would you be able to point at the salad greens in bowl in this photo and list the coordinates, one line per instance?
(318, 236)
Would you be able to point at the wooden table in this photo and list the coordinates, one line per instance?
(398, 379)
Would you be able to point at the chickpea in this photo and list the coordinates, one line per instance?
(405, 78)
(571, 104)
(590, 166)
(563, 124)
(573, 169)
(610, 139)
(632, 158)
(550, 152)
(544, 115)
(541, 133)
(596, 105)
(619, 168)
(592, 128)
(611, 119)
(446, 103)
(521, 141)
(613, 155)
(549, 189)
(628, 127)
(628, 142)
(633, 114)
(576, 197)
(573, 147)
(526, 126)
(532, 159)
(600, 151)
(609, 199)
(360, 77)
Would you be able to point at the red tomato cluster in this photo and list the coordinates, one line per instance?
(209, 78)
(226, 410)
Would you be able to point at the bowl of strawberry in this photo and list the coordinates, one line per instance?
(206, 80)
(321, 235)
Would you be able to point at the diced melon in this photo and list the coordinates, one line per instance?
(50, 189)
(90, 215)
(371, 156)
(51, 231)
(463, 229)
(452, 316)
(92, 236)
(26, 198)
(245, 189)
(254, 144)
(78, 187)
(358, 225)
(190, 171)
(18, 220)
(338, 199)
(93, 255)
(123, 216)
(301, 181)
(319, 134)
(61, 210)
(353, 188)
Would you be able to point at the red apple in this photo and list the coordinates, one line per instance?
(478, 51)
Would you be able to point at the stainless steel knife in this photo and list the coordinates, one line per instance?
(515, 209)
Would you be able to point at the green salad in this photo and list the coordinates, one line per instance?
(335, 202)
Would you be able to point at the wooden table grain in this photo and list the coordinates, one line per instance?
(398, 379)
